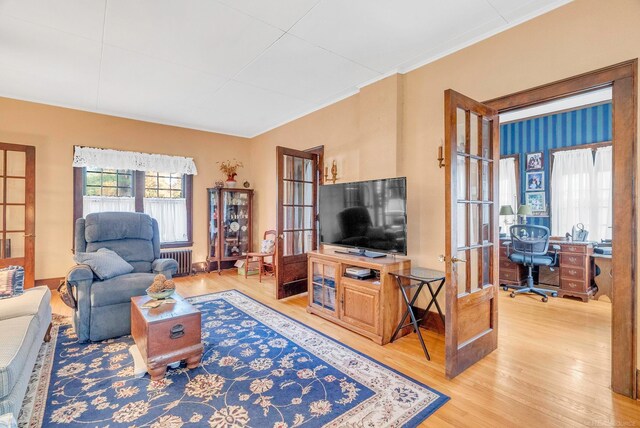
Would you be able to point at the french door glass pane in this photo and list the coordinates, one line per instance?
(308, 193)
(288, 167)
(287, 197)
(15, 217)
(461, 132)
(473, 135)
(308, 240)
(15, 245)
(487, 150)
(462, 224)
(461, 177)
(474, 224)
(308, 218)
(2, 162)
(308, 170)
(16, 190)
(297, 169)
(486, 223)
(298, 193)
(473, 177)
(486, 181)
(16, 163)
(486, 265)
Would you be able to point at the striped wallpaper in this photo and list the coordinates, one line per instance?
(572, 128)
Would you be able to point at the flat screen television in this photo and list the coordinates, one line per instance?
(365, 215)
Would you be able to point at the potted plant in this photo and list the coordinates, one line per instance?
(230, 168)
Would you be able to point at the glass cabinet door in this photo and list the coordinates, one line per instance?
(324, 286)
(213, 224)
(235, 223)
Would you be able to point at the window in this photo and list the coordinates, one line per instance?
(164, 196)
(108, 182)
(581, 191)
(164, 200)
(163, 185)
(508, 189)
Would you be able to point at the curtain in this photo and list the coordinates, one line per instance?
(96, 204)
(508, 189)
(602, 195)
(171, 215)
(118, 159)
(571, 195)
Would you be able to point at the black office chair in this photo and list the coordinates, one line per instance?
(529, 246)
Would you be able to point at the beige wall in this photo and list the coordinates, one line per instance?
(54, 131)
(576, 38)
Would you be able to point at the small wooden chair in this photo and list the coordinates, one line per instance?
(261, 256)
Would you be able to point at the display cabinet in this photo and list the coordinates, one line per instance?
(230, 218)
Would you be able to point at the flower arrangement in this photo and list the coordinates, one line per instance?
(230, 168)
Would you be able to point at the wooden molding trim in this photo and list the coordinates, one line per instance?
(52, 283)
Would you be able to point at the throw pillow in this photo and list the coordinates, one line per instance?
(267, 246)
(104, 263)
(11, 281)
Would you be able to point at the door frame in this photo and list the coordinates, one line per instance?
(622, 78)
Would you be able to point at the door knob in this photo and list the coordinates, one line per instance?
(456, 260)
(30, 235)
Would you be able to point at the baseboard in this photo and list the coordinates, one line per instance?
(52, 283)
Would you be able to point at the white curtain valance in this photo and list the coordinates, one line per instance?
(117, 159)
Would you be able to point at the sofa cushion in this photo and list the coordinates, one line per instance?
(120, 289)
(16, 335)
(111, 226)
(104, 263)
(33, 301)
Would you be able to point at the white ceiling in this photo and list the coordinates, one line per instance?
(238, 67)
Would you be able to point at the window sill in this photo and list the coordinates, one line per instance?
(176, 244)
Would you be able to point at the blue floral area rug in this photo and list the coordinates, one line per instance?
(260, 369)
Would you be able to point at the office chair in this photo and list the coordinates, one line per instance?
(529, 246)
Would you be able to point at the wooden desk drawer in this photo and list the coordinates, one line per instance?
(509, 274)
(573, 285)
(572, 272)
(503, 251)
(576, 260)
(507, 264)
(571, 248)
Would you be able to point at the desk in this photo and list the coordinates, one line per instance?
(604, 276)
(575, 268)
(421, 277)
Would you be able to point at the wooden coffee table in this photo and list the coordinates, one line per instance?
(166, 334)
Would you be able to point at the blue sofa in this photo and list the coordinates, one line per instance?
(104, 307)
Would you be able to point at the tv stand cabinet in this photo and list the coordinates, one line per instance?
(371, 307)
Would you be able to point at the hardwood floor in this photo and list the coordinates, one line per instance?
(551, 368)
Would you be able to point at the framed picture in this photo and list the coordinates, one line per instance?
(535, 181)
(537, 202)
(534, 161)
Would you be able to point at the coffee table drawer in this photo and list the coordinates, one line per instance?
(175, 333)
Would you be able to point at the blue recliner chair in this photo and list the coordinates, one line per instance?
(104, 307)
(529, 246)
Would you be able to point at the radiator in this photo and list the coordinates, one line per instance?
(183, 257)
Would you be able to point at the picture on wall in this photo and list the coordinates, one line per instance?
(535, 161)
(535, 181)
(537, 202)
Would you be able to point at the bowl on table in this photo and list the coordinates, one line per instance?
(160, 295)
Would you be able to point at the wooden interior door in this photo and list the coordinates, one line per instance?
(297, 180)
(472, 165)
(17, 208)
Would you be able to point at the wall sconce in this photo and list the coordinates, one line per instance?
(334, 172)
(441, 157)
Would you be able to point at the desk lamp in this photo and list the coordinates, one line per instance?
(523, 212)
(507, 210)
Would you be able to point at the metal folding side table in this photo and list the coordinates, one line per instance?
(418, 277)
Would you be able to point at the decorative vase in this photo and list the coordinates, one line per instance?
(231, 180)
